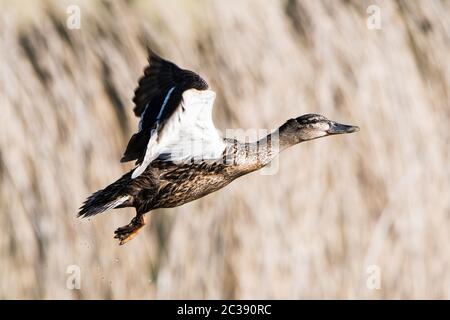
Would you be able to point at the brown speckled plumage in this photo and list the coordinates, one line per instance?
(165, 184)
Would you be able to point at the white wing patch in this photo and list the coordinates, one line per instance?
(188, 134)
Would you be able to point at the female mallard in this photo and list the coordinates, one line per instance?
(180, 157)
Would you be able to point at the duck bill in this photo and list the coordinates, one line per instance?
(339, 128)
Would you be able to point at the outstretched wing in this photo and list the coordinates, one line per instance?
(175, 109)
(156, 98)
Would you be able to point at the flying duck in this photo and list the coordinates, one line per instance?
(179, 155)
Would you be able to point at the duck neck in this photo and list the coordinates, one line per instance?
(251, 156)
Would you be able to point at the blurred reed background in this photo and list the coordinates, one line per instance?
(336, 206)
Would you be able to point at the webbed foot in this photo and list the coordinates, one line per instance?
(128, 232)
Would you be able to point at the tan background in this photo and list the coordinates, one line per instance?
(336, 205)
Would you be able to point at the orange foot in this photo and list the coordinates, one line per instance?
(128, 232)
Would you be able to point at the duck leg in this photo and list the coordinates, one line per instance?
(128, 232)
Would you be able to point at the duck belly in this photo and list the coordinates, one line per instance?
(188, 186)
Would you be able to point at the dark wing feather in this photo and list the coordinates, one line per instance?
(137, 143)
(159, 77)
(162, 79)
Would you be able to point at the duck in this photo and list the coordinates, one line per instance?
(178, 152)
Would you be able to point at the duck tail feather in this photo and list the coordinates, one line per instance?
(111, 197)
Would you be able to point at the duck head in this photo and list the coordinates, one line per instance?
(309, 127)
